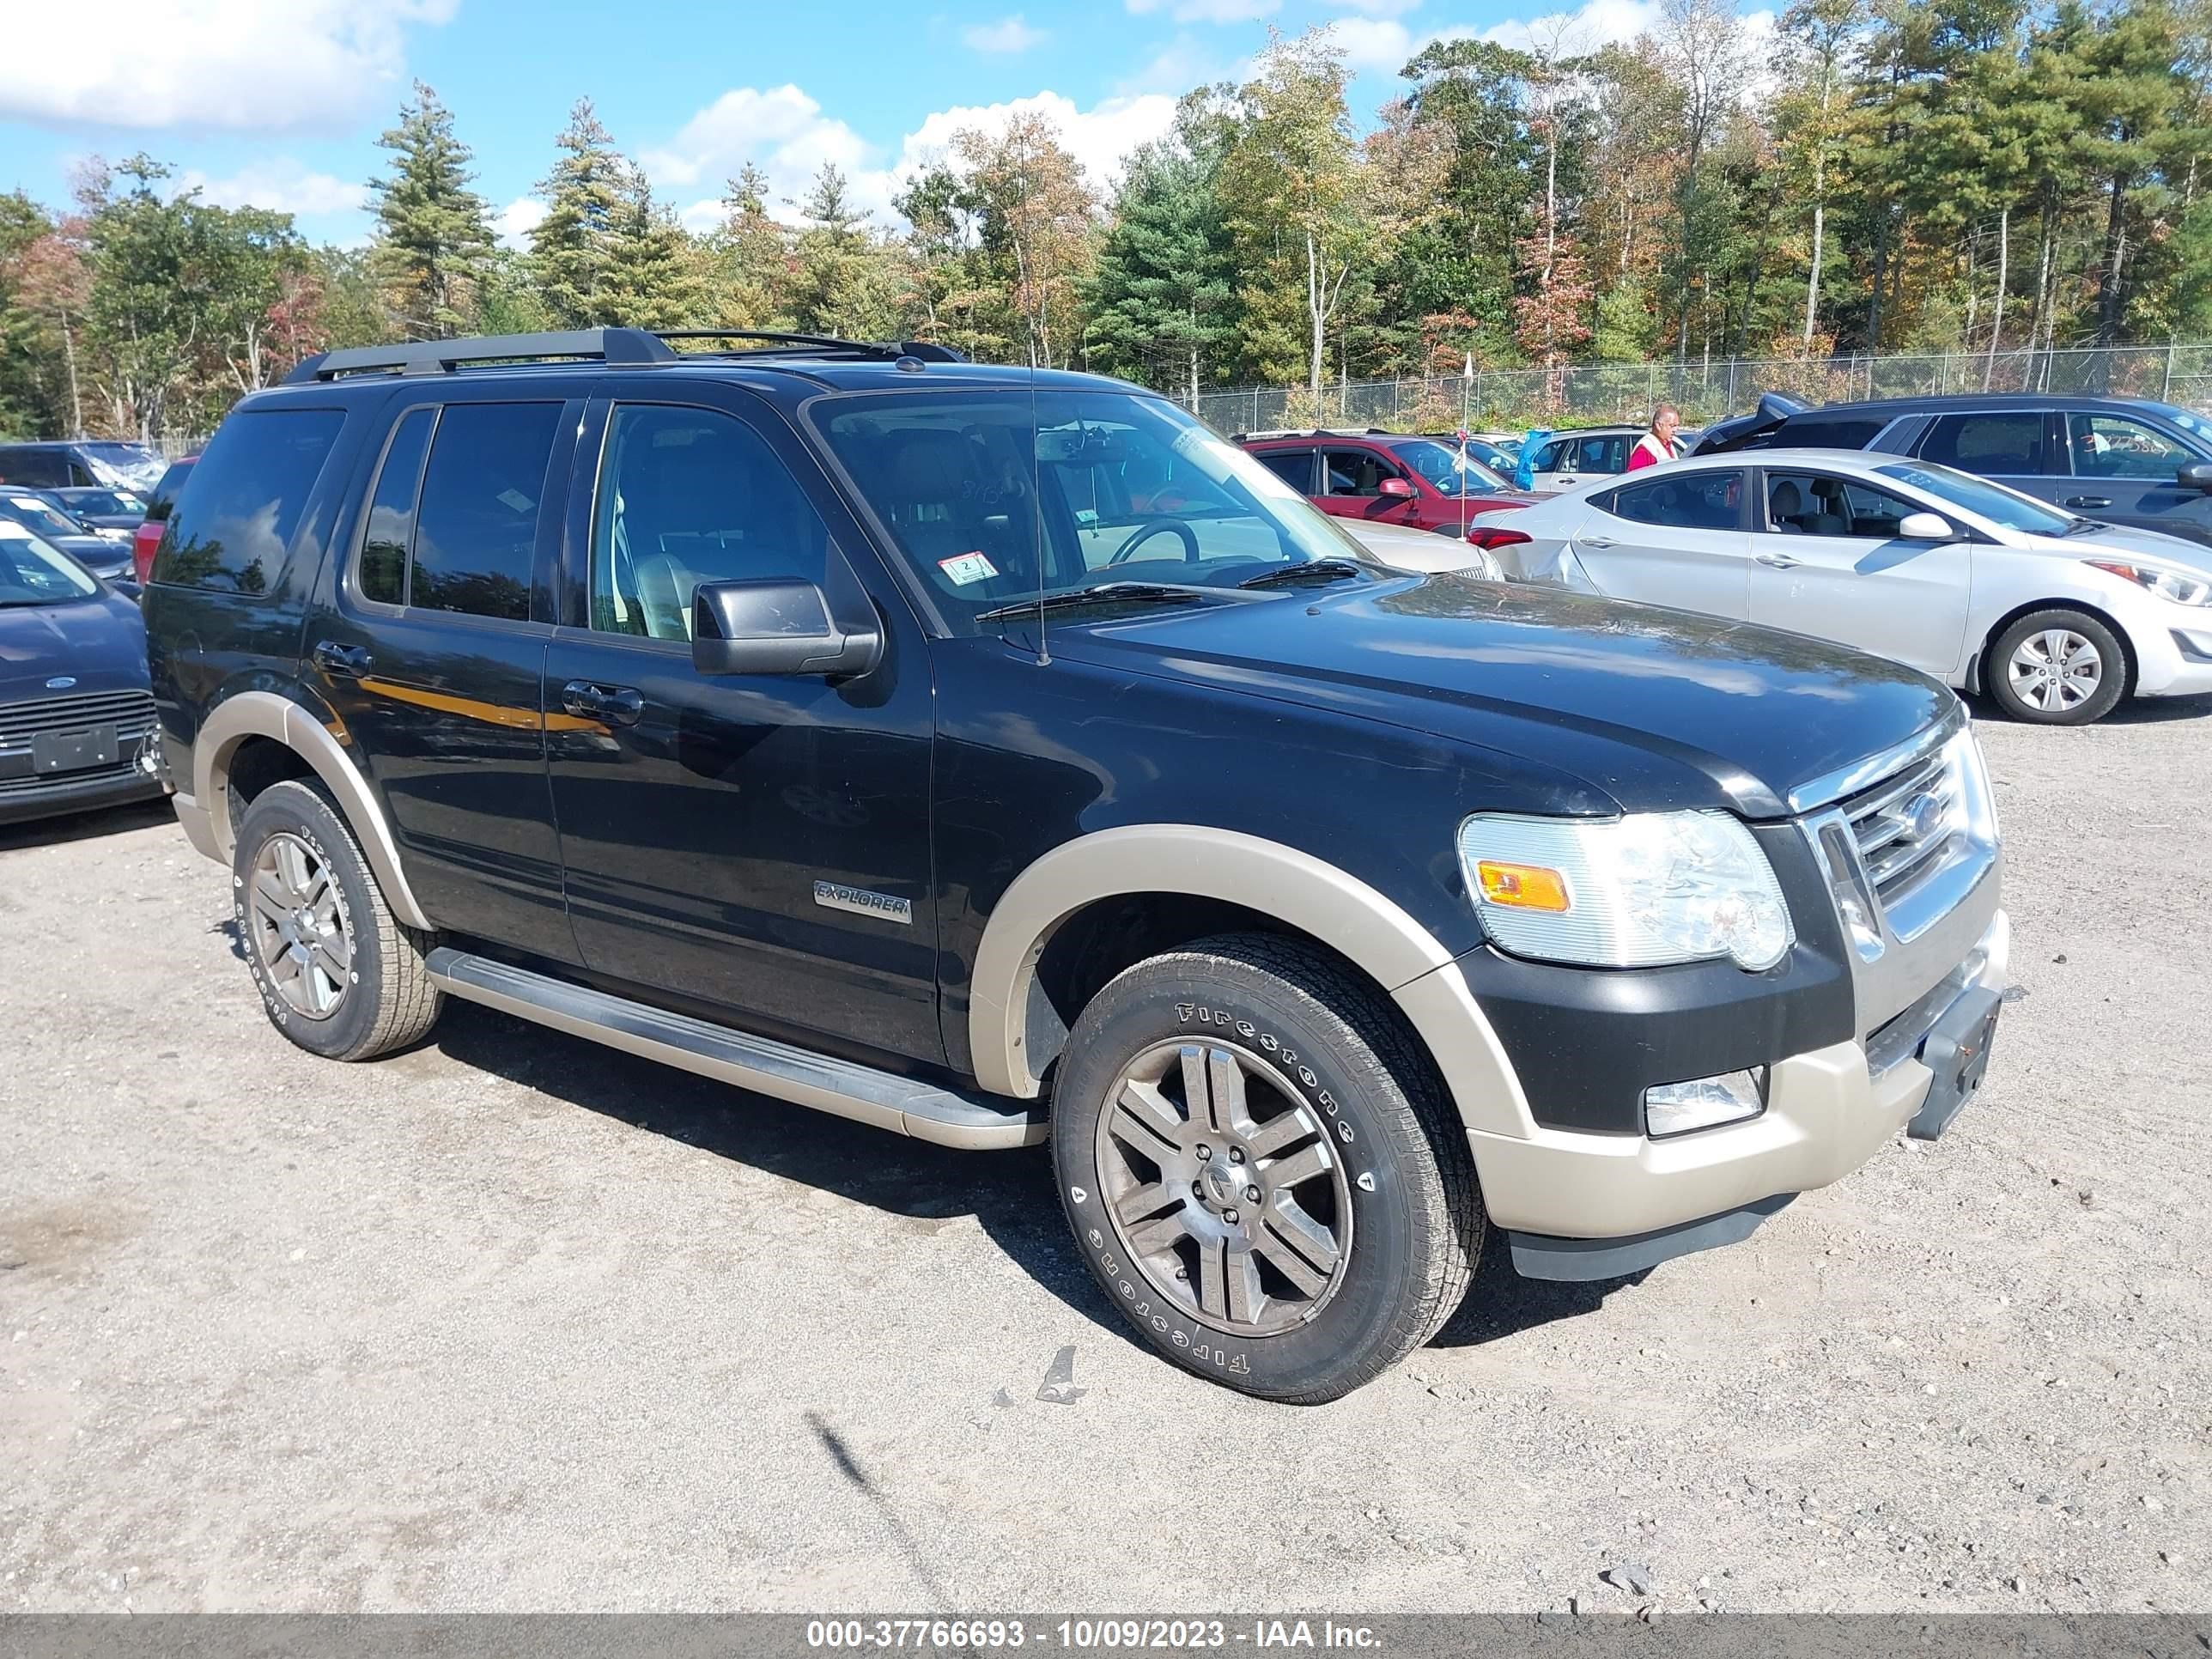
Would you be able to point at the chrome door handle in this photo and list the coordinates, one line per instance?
(2089, 500)
(1779, 560)
(618, 705)
(1598, 541)
(332, 657)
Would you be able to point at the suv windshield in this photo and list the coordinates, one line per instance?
(1440, 464)
(995, 497)
(1992, 502)
(31, 573)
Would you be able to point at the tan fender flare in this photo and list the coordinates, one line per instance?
(1296, 889)
(205, 812)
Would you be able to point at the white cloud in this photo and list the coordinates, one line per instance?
(518, 219)
(1008, 34)
(784, 132)
(281, 185)
(1207, 11)
(1595, 23)
(1175, 69)
(1380, 44)
(235, 64)
(1376, 7)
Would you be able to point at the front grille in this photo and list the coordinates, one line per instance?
(1904, 825)
(58, 783)
(130, 712)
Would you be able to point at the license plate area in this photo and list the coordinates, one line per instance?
(73, 752)
(1957, 1051)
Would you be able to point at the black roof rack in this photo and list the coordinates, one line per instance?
(632, 347)
(612, 345)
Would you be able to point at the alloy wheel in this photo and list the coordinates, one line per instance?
(2056, 670)
(299, 926)
(1225, 1186)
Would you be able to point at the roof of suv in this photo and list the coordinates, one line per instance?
(1938, 404)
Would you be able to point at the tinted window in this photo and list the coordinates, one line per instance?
(383, 575)
(1693, 501)
(166, 492)
(1811, 504)
(1832, 434)
(2112, 447)
(41, 468)
(476, 533)
(1603, 455)
(1356, 472)
(1547, 457)
(234, 528)
(1986, 443)
(689, 495)
(1293, 466)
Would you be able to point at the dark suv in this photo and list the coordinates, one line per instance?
(863, 727)
(2126, 460)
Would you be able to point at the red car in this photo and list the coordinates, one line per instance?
(147, 537)
(1387, 478)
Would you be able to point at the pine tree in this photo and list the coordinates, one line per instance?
(649, 279)
(750, 257)
(1161, 291)
(831, 288)
(570, 248)
(432, 234)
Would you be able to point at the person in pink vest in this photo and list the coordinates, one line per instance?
(1657, 444)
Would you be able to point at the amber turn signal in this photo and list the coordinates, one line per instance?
(1523, 886)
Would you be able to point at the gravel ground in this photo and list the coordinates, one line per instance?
(515, 1322)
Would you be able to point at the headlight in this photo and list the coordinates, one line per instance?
(1637, 891)
(2176, 585)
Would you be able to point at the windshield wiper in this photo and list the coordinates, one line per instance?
(1329, 569)
(2082, 527)
(1068, 598)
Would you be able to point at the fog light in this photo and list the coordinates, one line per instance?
(1676, 1109)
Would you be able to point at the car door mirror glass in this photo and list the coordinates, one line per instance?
(1397, 487)
(775, 625)
(1924, 527)
(2195, 475)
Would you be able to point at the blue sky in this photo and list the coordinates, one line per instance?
(280, 102)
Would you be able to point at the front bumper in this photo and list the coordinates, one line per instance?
(1828, 1111)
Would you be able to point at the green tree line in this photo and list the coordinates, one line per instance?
(1875, 175)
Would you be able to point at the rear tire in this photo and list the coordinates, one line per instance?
(2057, 667)
(1262, 1169)
(337, 972)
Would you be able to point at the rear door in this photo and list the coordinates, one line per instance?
(2124, 470)
(2010, 446)
(1828, 561)
(430, 648)
(1678, 539)
(1294, 465)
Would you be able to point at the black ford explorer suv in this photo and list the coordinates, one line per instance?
(845, 722)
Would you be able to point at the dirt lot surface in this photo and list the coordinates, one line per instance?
(512, 1322)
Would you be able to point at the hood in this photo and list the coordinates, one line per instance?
(100, 642)
(1648, 709)
(2154, 545)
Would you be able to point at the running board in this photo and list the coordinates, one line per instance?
(883, 1098)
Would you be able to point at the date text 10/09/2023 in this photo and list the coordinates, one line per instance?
(1126, 1634)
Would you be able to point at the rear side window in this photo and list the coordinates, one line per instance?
(1695, 500)
(166, 493)
(1293, 466)
(40, 468)
(1986, 443)
(390, 528)
(232, 530)
(1605, 453)
(476, 530)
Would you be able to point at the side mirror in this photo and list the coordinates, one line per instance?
(2195, 475)
(1925, 527)
(775, 626)
(1397, 487)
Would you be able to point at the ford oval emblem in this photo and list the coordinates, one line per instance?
(60, 682)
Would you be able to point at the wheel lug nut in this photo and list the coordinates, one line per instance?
(1252, 1194)
(1198, 1188)
(1205, 1153)
(1230, 1216)
(1236, 1154)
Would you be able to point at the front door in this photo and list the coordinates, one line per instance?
(1828, 561)
(755, 846)
(1352, 488)
(2125, 471)
(430, 649)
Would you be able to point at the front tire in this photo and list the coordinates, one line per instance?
(337, 972)
(2057, 667)
(1262, 1168)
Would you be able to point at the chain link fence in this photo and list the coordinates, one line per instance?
(1510, 399)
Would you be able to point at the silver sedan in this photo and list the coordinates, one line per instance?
(2055, 616)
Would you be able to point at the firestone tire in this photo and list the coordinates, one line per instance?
(1234, 1279)
(338, 974)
